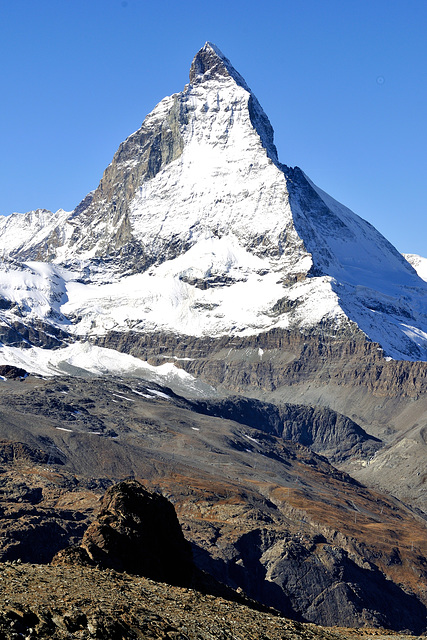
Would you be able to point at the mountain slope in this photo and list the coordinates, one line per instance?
(262, 513)
(197, 228)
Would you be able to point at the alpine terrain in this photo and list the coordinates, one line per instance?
(212, 324)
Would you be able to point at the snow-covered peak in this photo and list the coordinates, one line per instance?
(197, 228)
(210, 63)
(25, 234)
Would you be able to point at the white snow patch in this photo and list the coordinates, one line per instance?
(419, 263)
(116, 395)
(250, 438)
(84, 357)
(160, 394)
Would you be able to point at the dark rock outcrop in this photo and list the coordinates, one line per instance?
(137, 532)
(34, 525)
(325, 431)
(32, 333)
(12, 451)
(11, 372)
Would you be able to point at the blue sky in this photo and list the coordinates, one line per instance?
(344, 84)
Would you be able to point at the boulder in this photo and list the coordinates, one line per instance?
(137, 532)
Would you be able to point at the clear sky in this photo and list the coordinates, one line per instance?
(344, 83)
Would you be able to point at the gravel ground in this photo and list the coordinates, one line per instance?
(43, 601)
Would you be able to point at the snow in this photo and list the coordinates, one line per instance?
(223, 181)
(88, 359)
(117, 395)
(23, 231)
(229, 233)
(419, 263)
(160, 394)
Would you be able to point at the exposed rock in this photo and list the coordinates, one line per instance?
(12, 451)
(32, 333)
(324, 431)
(289, 358)
(9, 371)
(240, 493)
(138, 532)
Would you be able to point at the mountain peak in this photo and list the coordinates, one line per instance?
(211, 63)
(224, 238)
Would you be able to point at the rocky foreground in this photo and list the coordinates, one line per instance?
(102, 587)
(44, 601)
(262, 514)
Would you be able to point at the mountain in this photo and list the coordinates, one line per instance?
(196, 228)
(202, 254)
(211, 323)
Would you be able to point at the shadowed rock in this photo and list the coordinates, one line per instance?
(9, 371)
(138, 532)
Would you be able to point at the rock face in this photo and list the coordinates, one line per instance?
(138, 532)
(9, 371)
(36, 519)
(322, 430)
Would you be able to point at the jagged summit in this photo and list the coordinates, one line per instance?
(210, 63)
(218, 236)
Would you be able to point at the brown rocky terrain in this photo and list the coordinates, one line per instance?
(81, 596)
(61, 602)
(340, 370)
(263, 514)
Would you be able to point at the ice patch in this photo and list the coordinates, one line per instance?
(116, 395)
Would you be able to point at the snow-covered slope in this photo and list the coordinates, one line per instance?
(26, 234)
(85, 359)
(419, 263)
(196, 228)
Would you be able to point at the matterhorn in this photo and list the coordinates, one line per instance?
(212, 323)
(196, 228)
